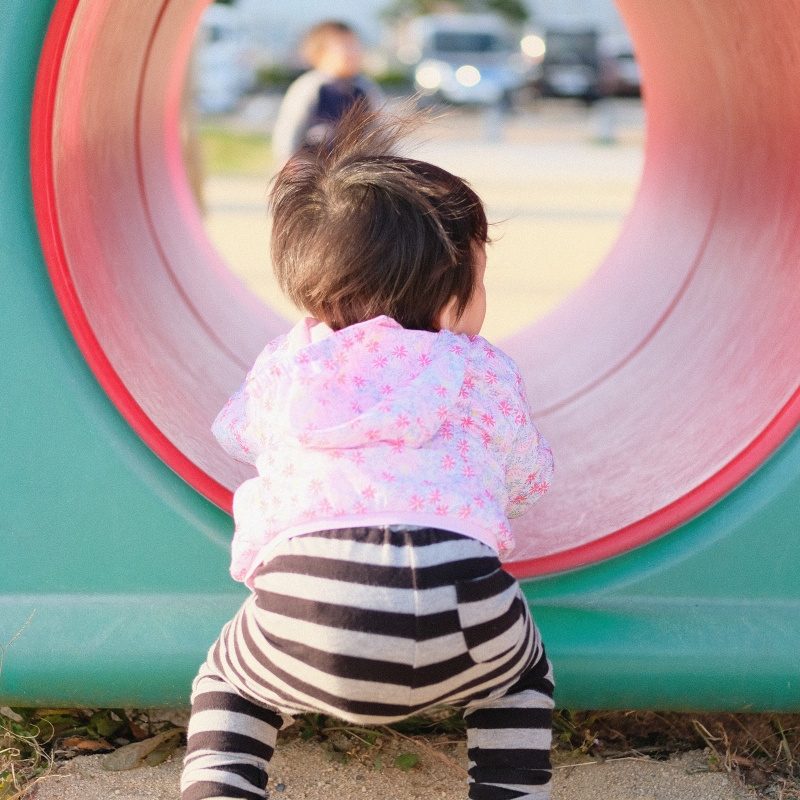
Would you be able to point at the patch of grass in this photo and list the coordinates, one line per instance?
(762, 750)
(23, 754)
(32, 740)
(230, 152)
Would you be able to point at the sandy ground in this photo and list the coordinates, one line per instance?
(306, 771)
(559, 198)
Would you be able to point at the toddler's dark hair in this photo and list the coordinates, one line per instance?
(359, 231)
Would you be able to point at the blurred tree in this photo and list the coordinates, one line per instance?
(514, 11)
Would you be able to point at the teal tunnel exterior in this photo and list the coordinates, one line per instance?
(115, 569)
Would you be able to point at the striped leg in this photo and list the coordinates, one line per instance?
(509, 738)
(230, 743)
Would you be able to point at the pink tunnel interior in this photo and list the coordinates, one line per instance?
(662, 382)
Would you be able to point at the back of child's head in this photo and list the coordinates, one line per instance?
(320, 37)
(359, 231)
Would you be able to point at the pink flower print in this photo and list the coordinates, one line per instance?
(373, 346)
(435, 497)
(448, 462)
(325, 506)
(357, 456)
(388, 477)
(336, 455)
(541, 487)
(486, 439)
(372, 434)
(491, 377)
(425, 359)
(519, 499)
(469, 381)
(468, 471)
(465, 511)
(442, 509)
(386, 391)
(276, 370)
(355, 407)
(368, 492)
(441, 391)
(359, 336)
(359, 381)
(397, 445)
(488, 351)
(457, 349)
(466, 423)
(416, 502)
(520, 418)
(487, 419)
(506, 407)
(315, 486)
(379, 362)
(478, 500)
(402, 421)
(463, 448)
(446, 430)
(400, 351)
(443, 412)
(302, 357)
(359, 508)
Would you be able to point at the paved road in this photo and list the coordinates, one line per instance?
(557, 194)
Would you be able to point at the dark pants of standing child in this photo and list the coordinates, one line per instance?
(372, 625)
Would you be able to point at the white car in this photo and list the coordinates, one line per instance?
(467, 58)
(223, 69)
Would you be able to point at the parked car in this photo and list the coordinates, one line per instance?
(467, 58)
(620, 71)
(571, 66)
(223, 63)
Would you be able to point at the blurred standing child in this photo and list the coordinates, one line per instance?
(318, 99)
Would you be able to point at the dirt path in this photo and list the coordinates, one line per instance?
(307, 771)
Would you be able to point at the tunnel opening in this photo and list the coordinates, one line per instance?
(662, 382)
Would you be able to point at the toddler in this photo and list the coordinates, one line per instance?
(318, 99)
(392, 443)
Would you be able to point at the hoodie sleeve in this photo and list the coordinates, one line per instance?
(233, 431)
(236, 427)
(529, 466)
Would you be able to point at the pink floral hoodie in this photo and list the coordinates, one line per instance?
(376, 425)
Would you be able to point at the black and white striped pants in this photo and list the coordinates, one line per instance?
(371, 625)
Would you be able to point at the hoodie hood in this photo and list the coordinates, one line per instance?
(363, 384)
